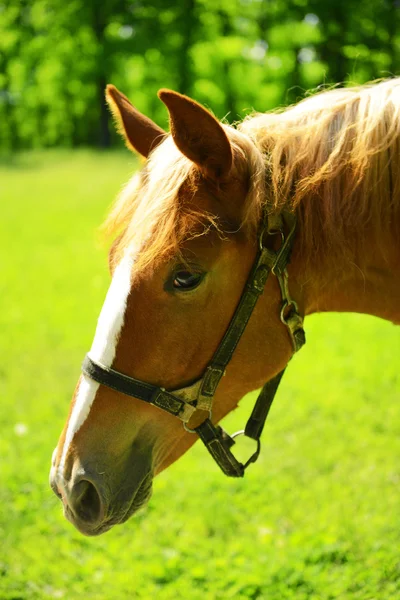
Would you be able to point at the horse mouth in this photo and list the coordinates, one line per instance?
(122, 514)
(140, 499)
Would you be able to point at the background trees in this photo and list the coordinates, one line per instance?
(232, 55)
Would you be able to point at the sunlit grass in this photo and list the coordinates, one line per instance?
(316, 518)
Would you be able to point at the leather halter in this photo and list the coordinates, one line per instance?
(183, 402)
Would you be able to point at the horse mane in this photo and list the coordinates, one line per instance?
(334, 158)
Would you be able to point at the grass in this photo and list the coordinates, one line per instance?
(316, 518)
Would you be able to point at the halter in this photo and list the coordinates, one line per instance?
(185, 401)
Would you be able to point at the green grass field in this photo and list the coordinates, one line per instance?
(318, 517)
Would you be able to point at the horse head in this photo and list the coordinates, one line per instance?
(186, 238)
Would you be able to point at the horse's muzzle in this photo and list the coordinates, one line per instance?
(89, 506)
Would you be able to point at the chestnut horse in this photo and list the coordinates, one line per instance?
(186, 236)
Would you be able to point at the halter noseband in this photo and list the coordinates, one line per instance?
(183, 402)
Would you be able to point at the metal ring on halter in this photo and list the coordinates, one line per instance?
(186, 428)
(263, 231)
(275, 232)
(288, 304)
(255, 454)
(237, 433)
(272, 232)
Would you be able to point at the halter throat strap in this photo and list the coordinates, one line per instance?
(183, 402)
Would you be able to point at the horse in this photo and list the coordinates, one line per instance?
(288, 213)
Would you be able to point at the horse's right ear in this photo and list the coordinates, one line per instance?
(139, 132)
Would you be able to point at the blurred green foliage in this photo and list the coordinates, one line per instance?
(232, 55)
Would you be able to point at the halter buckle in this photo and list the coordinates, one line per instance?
(291, 317)
(189, 430)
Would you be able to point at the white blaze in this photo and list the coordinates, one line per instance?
(103, 349)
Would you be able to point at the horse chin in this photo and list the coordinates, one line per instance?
(140, 500)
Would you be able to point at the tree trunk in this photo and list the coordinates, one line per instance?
(230, 99)
(99, 25)
(185, 75)
(393, 15)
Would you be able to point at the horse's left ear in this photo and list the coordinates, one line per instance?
(198, 135)
(141, 134)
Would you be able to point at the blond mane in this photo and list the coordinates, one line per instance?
(334, 157)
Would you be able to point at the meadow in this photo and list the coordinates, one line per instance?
(318, 516)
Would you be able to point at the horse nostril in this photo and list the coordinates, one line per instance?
(85, 502)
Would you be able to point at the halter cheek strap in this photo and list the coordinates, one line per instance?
(184, 402)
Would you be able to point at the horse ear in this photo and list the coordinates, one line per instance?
(198, 135)
(140, 133)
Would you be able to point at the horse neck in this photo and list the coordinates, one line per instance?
(363, 278)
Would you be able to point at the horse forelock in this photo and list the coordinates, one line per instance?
(150, 214)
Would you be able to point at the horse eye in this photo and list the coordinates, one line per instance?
(186, 280)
